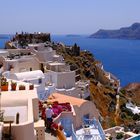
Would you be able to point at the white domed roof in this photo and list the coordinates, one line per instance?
(29, 75)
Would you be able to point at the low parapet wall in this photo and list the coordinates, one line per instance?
(24, 130)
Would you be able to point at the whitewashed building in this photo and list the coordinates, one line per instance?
(45, 54)
(25, 104)
(37, 78)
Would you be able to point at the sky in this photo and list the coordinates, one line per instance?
(67, 16)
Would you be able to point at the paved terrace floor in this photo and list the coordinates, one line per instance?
(49, 136)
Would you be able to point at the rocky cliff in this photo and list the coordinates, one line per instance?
(133, 92)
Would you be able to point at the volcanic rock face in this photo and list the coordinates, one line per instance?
(133, 92)
(133, 87)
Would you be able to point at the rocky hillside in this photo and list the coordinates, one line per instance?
(102, 94)
(132, 32)
(133, 92)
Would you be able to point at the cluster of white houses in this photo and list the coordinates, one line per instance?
(17, 64)
(47, 71)
(53, 81)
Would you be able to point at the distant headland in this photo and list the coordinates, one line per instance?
(132, 32)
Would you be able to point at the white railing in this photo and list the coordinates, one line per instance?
(97, 125)
(89, 137)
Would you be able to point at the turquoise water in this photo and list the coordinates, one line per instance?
(120, 57)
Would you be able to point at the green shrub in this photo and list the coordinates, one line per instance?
(119, 135)
(136, 117)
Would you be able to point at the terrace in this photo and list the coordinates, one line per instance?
(18, 115)
(62, 111)
(13, 85)
(19, 55)
(91, 130)
(57, 108)
(74, 115)
(44, 54)
(57, 67)
(118, 132)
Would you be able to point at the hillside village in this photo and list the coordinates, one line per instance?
(87, 101)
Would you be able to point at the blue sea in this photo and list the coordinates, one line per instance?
(3, 39)
(120, 57)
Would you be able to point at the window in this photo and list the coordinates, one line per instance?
(86, 116)
(36, 48)
(10, 67)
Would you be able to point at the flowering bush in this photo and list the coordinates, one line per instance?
(61, 127)
(54, 126)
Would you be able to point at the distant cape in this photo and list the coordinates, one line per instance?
(132, 32)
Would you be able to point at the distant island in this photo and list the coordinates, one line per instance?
(4, 36)
(72, 35)
(132, 32)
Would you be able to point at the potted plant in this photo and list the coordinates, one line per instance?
(31, 87)
(4, 84)
(13, 85)
(21, 87)
(119, 136)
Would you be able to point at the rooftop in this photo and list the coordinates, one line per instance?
(56, 63)
(29, 75)
(64, 98)
(11, 111)
(19, 55)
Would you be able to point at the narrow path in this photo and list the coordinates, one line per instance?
(117, 107)
(48, 136)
